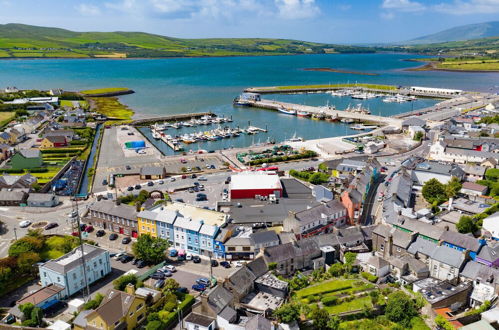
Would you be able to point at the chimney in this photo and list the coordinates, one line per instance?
(130, 289)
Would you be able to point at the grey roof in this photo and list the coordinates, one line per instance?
(315, 213)
(263, 237)
(422, 228)
(30, 153)
(377, 262)
(219, 297)
(413, 121)
(258, 322)
(10, 180)
(280, 252)
(382, 230)
(37, 197)
(241, 279)
(461, 240)
(199, 319)
(423, 246)
(475, 170)
(448, 256)
(401, 188)
(258, 267)
(401, 238)
(415, 265)
(110, 207)
(437, 168)
(322, 194)
(489, 253)
(293, 188)
(81, 319)
(474, 270)
(72, 259)
(152, 170)
(237, 241)
(14, 196)
(228, 314)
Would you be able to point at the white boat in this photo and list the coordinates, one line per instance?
(294, 138)
(286, 111)
(156, 135)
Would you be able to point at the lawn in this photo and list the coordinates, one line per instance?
(325, 287)
(6, 117)
(104, 90)
(69, 103)
(112, 108)
(356, 304)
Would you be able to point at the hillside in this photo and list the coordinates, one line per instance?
(27, 41)
(459, 33)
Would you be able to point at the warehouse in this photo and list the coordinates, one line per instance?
(253, 184)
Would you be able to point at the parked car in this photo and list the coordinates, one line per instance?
(181, 258)
(128, 167)
(214, 263)
(89, 229)
(129, 188)
(159, 284)
(173, 253)
(51, 226)
(138, 186)
(184, 176)
(182, 289)
(198, 287)
(150, 183)
(196, 189)
(113, 237)
(191, 190)
(24, 224)
(161, 182)
(201, 198)
(104, 182)
(188, 257)
(173, 179)
(196, 259)
(203, 281)
(134, 262)
(118, 255)
(167, 273)
(239, 263)
(198, 168)
(126, 258)
(225, 264)
(202, 178)
(170, 268)
(183, 161)
(100, 233)
(180, 200)
(194, 176)
(158, 276)
(126, 240)
(141, 264)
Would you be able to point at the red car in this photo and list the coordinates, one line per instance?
(89, 229)
(75, 233)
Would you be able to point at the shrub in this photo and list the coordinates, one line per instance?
(329, 301)
(121, 282)
(370, 277)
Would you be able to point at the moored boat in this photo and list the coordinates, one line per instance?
(286, 111)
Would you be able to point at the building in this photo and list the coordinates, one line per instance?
(67, 271)
(489, 255)
(434, 170)
(16, 181)
(441, 294)
(446, 263)
(16, 197)
(6, 138)
(462, 242)
(473, 189)
(422, 248)
(26, 159)
(40, 297)
(264, 239)
(42, 200)
(435, 91)
(195, 321)
(252, 184)
(491, 224)
(152, 173)
(290, 257)
(474, 172)
(114, 217)
(240, 245)
(390, 241)
(485, 282)
(54, 141)
(316, 220)
(414, 131)
(441, 151)
(118, 310)
(377, 266)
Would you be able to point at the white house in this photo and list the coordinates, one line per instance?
(491, 224)
(414, 130)
(377, 266)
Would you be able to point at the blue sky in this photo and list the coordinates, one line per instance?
(340, 21)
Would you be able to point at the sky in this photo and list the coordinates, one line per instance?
(330, 21)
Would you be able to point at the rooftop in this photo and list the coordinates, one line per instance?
(263, 237)
(255, 180)
(261, 301)
(209, 217)
(434, 290)
(109, 207)
(73, 259)
(199, 319)
(41, 295)
(271, 281)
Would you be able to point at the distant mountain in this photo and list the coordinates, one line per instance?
(27, 41)
(459, 33)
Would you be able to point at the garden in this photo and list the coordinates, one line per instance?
(274, 155)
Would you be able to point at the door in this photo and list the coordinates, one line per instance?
(121, 230)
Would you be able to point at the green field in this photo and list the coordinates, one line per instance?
(112, 108)
(356, 304)
(325, 287)
(6, 117)
(69, 103)
(321, 86)
(104, 90)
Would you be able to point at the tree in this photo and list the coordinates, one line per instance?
(37, 316)
(442, 323)
(287, 313)
(350, 258)
(466, 225)
(400, 308)
(170, 285)
(25, 244)
(26, 261)
(321, 318)
(453, 187)
(333, 323)
(155, 325)
(121, 282)
(150, 249)
(336, 270)
(434, 191)
(26, 309)
(94, 303)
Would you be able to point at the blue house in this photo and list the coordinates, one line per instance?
(462, 243)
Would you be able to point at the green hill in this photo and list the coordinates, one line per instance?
(27, 41)
(459, 33)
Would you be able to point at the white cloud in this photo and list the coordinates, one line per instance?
(459, 7)
(88, 10)
(297, 9)
(403, 5)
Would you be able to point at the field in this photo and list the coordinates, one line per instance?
(104, 90)
(471, 65)
(355, 304)
(6, 117)
(69, 103)
(112, 108)
(325, 287)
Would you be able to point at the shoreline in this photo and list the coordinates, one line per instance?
(430, 66)
(340, 71)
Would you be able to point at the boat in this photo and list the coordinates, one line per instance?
(347, 121)
(303, 114)
(156, 135)
(332, 118)
(318, 116)
(286, 111)
(294, 138)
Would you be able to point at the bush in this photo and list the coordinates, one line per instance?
(94, 303)
(121, 282)
(370, 277)
(329, 301)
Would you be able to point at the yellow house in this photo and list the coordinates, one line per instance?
(54, 142)
(118, 310)
(147, 227)
(6, 138)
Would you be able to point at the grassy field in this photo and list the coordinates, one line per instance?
(104, 90)
(325, 287)
(112, 108)
(69, 103)
(6, 117)
(469, 65)
(356, 304)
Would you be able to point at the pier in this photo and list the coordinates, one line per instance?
(275, 105)
(145, 121)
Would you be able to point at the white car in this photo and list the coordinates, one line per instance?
(239, 263)
(24, 224)
(116, 257)
(188, 256)
(170, 268)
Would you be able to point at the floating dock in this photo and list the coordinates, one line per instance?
(145, 121)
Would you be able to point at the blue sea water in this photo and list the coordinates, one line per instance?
(180, 85)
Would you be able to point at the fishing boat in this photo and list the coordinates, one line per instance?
(286, 111)
(318, 116)
(303, 114)
(294, 138)
(347, 121)
(332, 118)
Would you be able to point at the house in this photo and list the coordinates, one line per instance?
(264, 239)
(252, 184)
(473, 189)
(414, 131)
(485, 282)
(413, 122)
(16, 181)
(491, 224)
(16, 197)
(118, 310)
(322, 194)
(434, 170)
(441, 294)
(114, 217)
(422, 248)
(316, 220)
(54, 141)
(489, 255)
(474, 173)
(39, 298)
(407, 269)
(42, 200)
(152, 173)
(294, 256)
(401, 189)
(489, 163)
(390, 241)
(240, 247)
(467, 207)
(67, 271)
(377, 266)
(446, 263)
(440, 151)
(68, 134)
(26, 159)
(5, 151)
(461, 242)
(240, 283)
(6, 138)
(195, 321)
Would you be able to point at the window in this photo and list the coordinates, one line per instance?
(58, 279)
(95, 263)
(231, 248)
(399, 249)
(131, 313)
(74, 276)
(246, 248)
(382, 247)
(117, 322)
(100, 261)
(141, 316)
(143, 227)
(140, 306)
(44, 274)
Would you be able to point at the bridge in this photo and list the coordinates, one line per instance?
(275, 105)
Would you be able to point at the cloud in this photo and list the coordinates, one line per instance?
(297, 9)
(88, 10)
(403, 5)
(387, 15)
(459, 7)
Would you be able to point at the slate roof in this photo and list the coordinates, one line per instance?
(423, 246)
(219, 297)
(30, 153)
(293, 188)
(258, 267)
(475, 170)
(413, 121)
(12, 196)
(401, 187)
(38, 197)
(10, 180)
(437, 168)
(72, 259)
(474, 186)
(114, 306)
(322, 194)
(241, 279)
(280, 252)
(263, 237)
(448, 256)
(110, 207)
(199, 319)
(228, 314)
(489, 253)
(315, 213)
(474, 270)
(377, 262)
(461, 240)
(422, 228)
(56, 138)
(152, 170)
(258, 322)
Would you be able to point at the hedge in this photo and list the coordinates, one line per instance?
(183, 306)
(38, 170)
(370, 277)
(12, 170)
(329, 301)
(62, 150)
(306, 154)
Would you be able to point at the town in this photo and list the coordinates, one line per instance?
(113, 223)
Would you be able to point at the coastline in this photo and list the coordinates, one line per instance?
(430, 66)
(341, 71)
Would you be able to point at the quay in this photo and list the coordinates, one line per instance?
(145, 121)
(339, 114)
